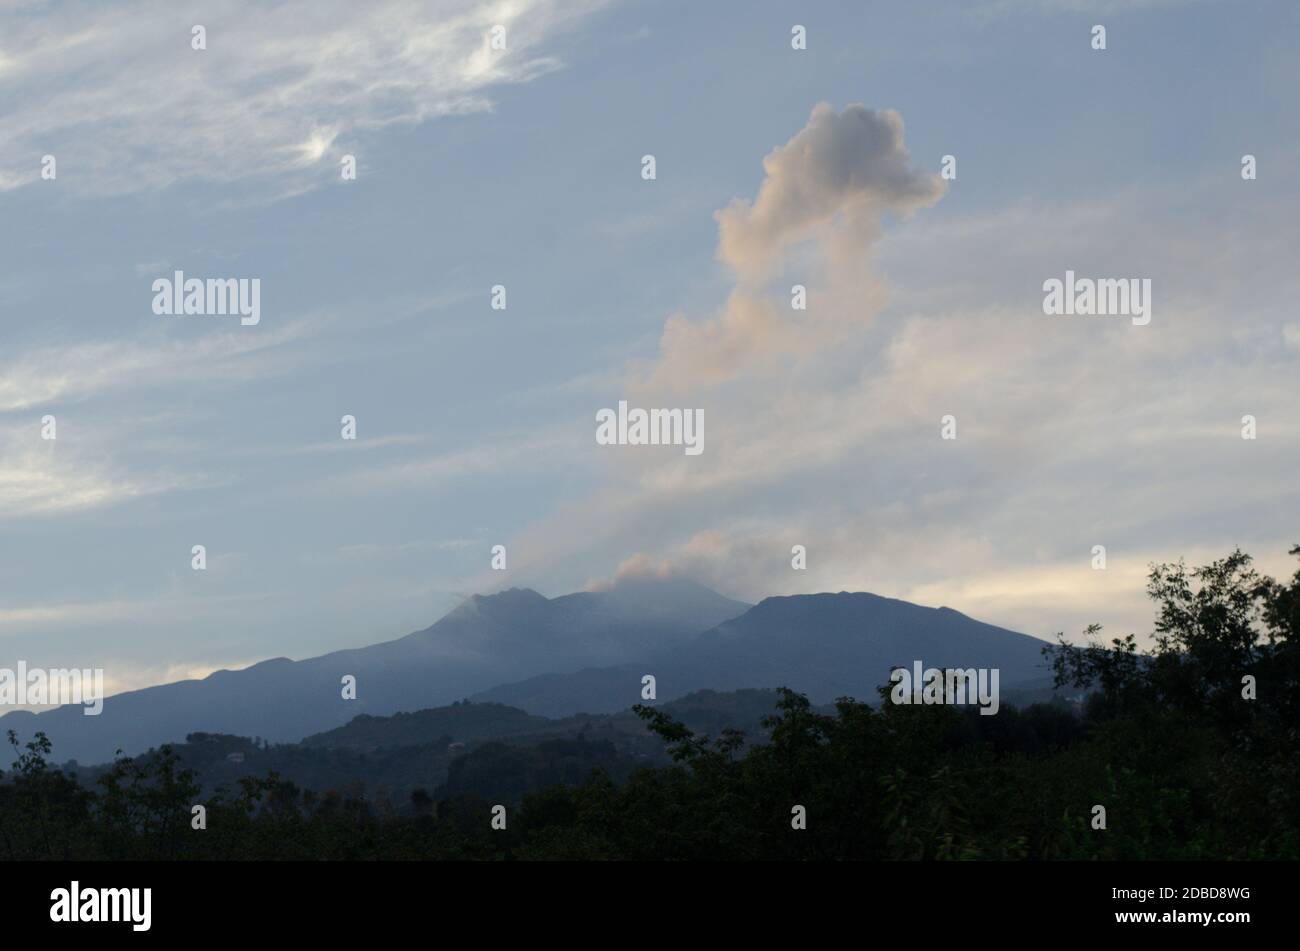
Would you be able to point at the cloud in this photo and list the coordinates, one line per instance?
(40, 477)
(124, 103)
(825, 427)
(172, 608)
(638, 567)
(1291, 336)
(33, 483)
(829, 187)
(78, 371)
(832, 183)
(507, 455)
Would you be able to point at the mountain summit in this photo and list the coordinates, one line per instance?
(823, 645)
(580, 653)
(486, 640)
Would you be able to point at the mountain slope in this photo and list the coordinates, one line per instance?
(824, 645)
(385, 759)
(486, 640)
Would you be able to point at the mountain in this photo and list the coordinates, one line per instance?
(556, 657)
(484, 641)
(824, 645)
(590, 690)
(482, 748)
(463, 722)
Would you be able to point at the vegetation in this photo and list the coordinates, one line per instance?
(1192, 749)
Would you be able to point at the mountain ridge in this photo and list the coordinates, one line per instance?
(754, 650)
(583, 652)
(485, 640)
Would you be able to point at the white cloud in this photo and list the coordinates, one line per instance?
(1291, 336)
(40, 477)
(52, 373)
(124, 103)
(164, 608)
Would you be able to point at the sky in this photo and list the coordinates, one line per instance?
(523, 168)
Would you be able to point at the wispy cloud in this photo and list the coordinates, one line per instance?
(63, 372)
(43, 477)
(169, 606)
(124, 103)
(506, 453)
